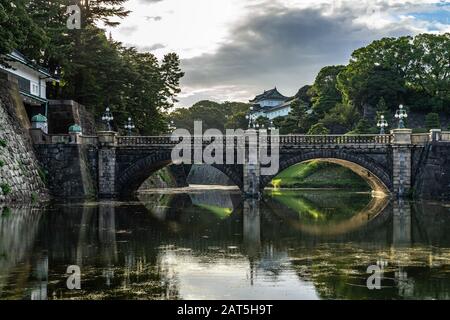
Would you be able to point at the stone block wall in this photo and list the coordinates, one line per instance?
(69, 168)
(20, 177)
(64, 113)
(433, 180)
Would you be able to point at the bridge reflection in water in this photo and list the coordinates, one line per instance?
(307, 245)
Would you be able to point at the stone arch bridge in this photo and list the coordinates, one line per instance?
(112, 166)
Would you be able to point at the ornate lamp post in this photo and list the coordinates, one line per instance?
(382, 123)
(400, 114)
(250, 118)
(107, 118)
(130, 126)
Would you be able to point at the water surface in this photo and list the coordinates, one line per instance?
(212, 245)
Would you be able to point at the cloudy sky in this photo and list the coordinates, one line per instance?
(234, 49)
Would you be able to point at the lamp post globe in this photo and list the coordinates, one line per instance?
(382, 123)
(401, 114)
(107, 117)
(130, 126)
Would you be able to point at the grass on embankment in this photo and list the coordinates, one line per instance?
(319, 174)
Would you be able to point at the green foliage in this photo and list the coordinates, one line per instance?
(6, 212)
(325, 94)
(262, 122)
(319, 174)
(97, 71)
(382, 108)
(401, 70)
(318, 129)
(432, 121)
(43, 175)
(2, 163)
(341, 118)
(237, 120)
(213, 115)
(17, 28)
(420, 130)
(3, 143)
(363, 127)
(6, 188)
(298, 120)
(34, 197)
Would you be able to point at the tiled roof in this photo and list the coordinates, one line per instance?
(273, 94)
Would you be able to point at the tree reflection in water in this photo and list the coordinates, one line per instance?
(309, 245)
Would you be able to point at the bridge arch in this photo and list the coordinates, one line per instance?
(373, 173)
(130, 178)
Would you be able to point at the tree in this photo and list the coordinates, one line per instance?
(237, 120)
(171, 74)
(17, 29)
(382, 108)
(318, 129)
(363, 127)
(304, 94)
(97, 71)
(262, 122)
(215, 115)
(297, 121)
(342, 118)
(432, 66)
(325, 94)
(413, 71)
(432, 121)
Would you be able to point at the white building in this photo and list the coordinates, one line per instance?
(32, 80)
(270, 104)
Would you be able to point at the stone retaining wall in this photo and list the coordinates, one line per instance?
(21, 179)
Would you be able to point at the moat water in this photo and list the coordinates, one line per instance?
(201, 244)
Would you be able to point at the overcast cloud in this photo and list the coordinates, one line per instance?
(232, 50)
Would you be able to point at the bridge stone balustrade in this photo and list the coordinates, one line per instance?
(394, 163)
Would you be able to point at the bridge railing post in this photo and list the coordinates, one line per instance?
(435, 135)
(401, 161)
(107, 164)
(107, 138)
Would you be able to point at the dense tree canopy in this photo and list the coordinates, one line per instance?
(17, 28)
(214, 115)
(93, 69)
(414, 71)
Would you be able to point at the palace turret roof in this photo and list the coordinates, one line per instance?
(273, 94)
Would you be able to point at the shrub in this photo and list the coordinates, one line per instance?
(420, 130)
(3, 143)
(2, 163)
(432, 121)
(5, 188)
(6, 211)
(318, 129)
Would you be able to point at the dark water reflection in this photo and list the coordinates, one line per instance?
(211, 245)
